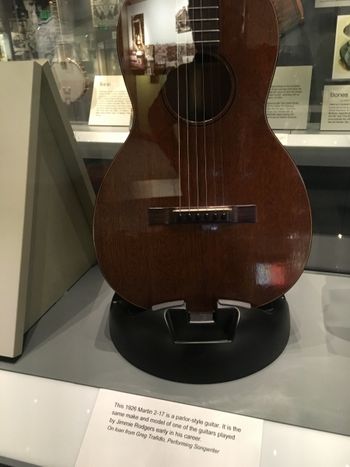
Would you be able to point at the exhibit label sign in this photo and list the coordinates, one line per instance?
(336, 108)
(127, 429)
(288, 103)
(110, 103)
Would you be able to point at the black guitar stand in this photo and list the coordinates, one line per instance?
(195, 348)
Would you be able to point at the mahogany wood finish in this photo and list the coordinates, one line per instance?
(227, 161)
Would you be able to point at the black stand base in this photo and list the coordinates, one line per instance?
(143, 338)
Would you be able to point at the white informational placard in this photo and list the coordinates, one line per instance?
(126, 429)
(110, 103)
(341, 56)
(288, 103)
(336, 108)
(331, 3)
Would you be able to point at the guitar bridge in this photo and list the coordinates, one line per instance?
(239, 214)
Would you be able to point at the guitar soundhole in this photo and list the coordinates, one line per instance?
(201, 90)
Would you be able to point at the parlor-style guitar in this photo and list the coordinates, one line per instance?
(202, 202)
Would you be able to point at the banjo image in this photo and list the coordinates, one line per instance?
(69, 74)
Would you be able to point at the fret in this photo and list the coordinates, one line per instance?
(205, 30)
(202, 7)
(203, 3)
(203, 19)
(209, 41)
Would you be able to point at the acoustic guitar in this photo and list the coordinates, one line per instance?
(202, 202)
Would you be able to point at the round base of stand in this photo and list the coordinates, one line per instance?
(142, 337)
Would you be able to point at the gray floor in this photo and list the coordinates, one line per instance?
(306, 386)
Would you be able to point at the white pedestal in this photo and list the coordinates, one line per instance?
(46, 201)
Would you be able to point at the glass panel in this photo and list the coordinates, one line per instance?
(79, 39)
(322, 155)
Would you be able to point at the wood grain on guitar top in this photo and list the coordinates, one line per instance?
(210, 147)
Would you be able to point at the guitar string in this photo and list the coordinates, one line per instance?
(213, 134)
(187, 129)
(195, 102)
(204, 110)
(221, 132)
(178, 118)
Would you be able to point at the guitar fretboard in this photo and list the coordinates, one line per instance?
(204, 21)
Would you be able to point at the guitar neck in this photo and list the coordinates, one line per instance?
(204, 19)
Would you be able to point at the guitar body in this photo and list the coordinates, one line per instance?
(202, 202)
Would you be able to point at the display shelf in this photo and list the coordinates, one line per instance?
(306, 386)
(307, 139)
(94, 134)
(314, 139)
(47, 419)
(60, 413)
(307, 148)
(99, 142)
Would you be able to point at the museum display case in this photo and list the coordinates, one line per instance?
(82, 36)
(69, 56)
